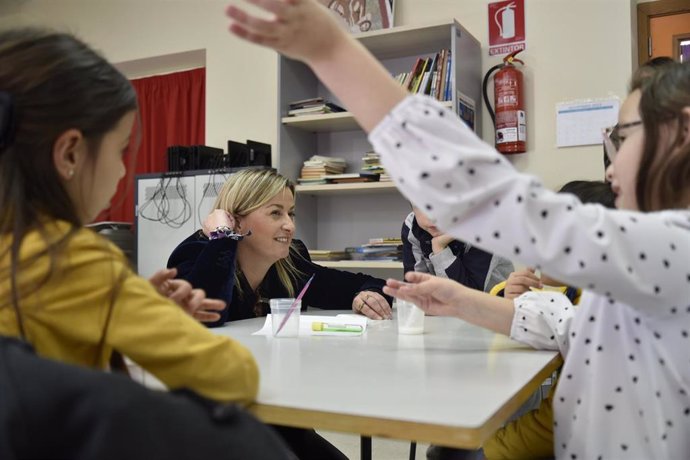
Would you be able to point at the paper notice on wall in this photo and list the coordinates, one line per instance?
(581, 123)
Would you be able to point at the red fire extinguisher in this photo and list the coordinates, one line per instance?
(509, 121)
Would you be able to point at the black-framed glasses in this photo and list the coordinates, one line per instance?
(612, 138)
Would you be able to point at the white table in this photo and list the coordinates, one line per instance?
(453, 386)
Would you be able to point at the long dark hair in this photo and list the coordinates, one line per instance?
(663, 179)
(50, 82)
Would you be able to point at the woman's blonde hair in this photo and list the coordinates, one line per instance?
(245, 192)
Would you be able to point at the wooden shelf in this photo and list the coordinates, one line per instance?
(329, 122)
(353, 189)
(341, 121)
(359, 264)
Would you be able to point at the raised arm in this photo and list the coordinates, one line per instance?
(356, 78)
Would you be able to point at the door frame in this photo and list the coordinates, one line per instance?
(648, 10)
(676, 47)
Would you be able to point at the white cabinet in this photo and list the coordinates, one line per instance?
(168, 209)
(337, 216)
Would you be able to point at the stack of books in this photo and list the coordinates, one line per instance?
(315, 168)
(377, 249)
(371, 163)
(313, 106)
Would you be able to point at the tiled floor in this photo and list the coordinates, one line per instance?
(382, 449)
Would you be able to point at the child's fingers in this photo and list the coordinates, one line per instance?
(527, 281)
(255, 26)
(206, 316)
(161, 276)
(212, 304)
(277, 7)
(416, 277)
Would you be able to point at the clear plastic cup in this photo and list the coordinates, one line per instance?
(410, 317)
(280, 308)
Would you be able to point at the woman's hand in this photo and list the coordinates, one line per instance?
(372, 305)
(193, 301)
(519, 282)
(291, 29)
(436, 296)
(217, 218)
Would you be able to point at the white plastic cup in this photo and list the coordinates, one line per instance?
(280, 308)
(410, 317)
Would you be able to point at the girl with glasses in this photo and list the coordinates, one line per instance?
(625, 386)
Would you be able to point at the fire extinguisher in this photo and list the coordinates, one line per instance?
(509, 120)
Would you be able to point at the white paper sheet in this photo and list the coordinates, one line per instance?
(581, 123)
(305, 322)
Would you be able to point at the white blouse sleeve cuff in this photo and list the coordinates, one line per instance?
(542, 320)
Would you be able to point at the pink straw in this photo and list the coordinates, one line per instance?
(294, 304)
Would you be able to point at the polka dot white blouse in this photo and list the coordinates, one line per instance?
(623, 392)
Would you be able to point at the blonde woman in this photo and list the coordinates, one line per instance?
(246, 271)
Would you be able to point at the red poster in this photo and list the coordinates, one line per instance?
(506, 26)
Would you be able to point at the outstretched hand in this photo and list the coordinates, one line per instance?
(193, 301)
(445, 297)
(290, 29)
(436, 296)
(520, 281)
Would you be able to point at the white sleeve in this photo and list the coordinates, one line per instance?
(476, 195)
(542, 320)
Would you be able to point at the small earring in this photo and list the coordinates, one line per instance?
(70, 173)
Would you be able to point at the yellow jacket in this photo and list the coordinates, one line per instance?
(531, 435)
(65, 310)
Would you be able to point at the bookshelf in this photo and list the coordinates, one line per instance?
(336, 216)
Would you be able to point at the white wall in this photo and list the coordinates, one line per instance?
(241, 80)
(575, 49)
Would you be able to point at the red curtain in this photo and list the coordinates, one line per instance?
(172, 111)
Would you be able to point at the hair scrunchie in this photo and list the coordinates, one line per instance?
(6, 119)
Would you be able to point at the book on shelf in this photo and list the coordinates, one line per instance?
(306, 102)
(316, 105)
(321, 160)
(429, 75)
(387, 241)
(375, 252)
(319, 166)
(319, 171)
(311, 181)
(351, 178)
(327, 254)
(327, 107)
(372, 165)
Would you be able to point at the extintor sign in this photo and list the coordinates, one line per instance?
(506, 27)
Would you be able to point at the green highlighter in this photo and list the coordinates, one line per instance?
(325, 327)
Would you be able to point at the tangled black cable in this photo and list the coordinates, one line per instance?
(162, 206)
(210, 189)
